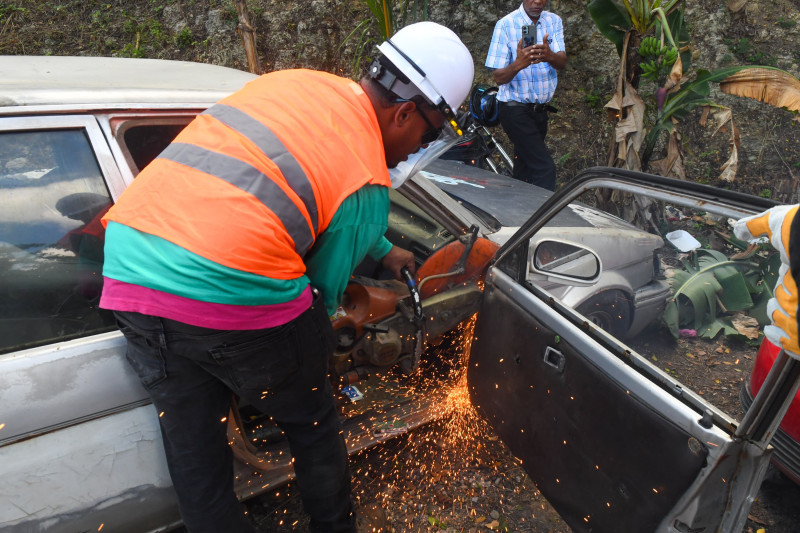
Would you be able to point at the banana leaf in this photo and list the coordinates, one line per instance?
(708, 286)
(612, 20)
(772, 86)
(680, 32)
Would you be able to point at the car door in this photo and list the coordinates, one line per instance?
(614, 442)
(80, 447)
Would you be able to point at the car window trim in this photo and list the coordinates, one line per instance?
(100, 148)
(729, 204)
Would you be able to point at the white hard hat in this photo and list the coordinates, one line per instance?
(426, 59)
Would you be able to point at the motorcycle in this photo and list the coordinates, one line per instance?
(478, 147)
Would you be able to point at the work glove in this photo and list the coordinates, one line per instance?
(779, 226)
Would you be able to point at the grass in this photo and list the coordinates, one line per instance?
(593, 98)
(744, 50)
(184, 38)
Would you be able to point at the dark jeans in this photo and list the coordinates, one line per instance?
(527, 129)
(190, 373)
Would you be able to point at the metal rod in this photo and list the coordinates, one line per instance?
(761, 421)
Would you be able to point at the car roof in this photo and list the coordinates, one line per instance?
(98, 81)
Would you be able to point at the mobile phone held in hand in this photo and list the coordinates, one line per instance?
(528, 35)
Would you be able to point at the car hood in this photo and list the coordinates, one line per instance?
(504, 203)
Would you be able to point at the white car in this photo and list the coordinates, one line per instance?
(612, 441)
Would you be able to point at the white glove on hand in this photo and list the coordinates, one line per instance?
(776, 224)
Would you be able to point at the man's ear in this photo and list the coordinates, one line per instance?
(403, 114)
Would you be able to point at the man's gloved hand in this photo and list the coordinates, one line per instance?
(396, 259)
(776, 224)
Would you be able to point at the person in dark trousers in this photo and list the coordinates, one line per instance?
(527, 77)
(227, 255)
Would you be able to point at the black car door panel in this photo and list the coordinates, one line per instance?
(605, 459)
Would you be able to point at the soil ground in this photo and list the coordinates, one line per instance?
(455, 475)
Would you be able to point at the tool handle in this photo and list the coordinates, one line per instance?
(414, 290)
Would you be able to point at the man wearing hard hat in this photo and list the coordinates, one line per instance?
(228, 253)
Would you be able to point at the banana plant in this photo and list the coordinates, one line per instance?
(666, 56)
(711, 288)
(615, 19)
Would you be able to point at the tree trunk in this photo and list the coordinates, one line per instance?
(248, 34)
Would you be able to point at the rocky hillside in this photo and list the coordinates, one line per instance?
(312, 34)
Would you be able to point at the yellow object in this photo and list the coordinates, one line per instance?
(776, 224)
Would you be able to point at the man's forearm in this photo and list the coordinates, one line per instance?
(558, 60)
(506, 74)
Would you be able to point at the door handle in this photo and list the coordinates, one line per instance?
(555, 359)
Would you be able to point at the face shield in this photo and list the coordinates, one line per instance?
(422, 158)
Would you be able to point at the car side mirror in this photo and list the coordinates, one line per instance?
(561, 259)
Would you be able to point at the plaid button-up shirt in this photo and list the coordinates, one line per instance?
(535, 83)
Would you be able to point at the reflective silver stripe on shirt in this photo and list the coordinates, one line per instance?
(274, 149)
(249, 179)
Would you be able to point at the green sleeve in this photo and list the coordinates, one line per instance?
(356, 230)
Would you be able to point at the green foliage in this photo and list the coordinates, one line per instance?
(679, 31)
(658, 58)
(102, 16)
(615, 18)
(381, 25)
(593, 98)
(184, 38)
(435, 522)
(132, 50)
(9, 8)
(786, 23)
(634, 19)
(563, 159)
(710, 286)
(742, 47)
(679, 104)
(744, 50)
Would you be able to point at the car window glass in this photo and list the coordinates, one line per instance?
(52, 196)
(675, 285)
(413, 229)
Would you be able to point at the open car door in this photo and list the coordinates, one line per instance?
(614, 442)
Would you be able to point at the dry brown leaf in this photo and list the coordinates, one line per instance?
(704, 115)
(730, 166)
(746, 325)
(747, 253)
(722, 117)
(674, 79)
(774, 87)
(672, 164)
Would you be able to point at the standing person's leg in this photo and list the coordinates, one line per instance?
(288, 380)
(527, 129)
(192, 406)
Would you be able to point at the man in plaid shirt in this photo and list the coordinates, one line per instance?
(527, 78)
